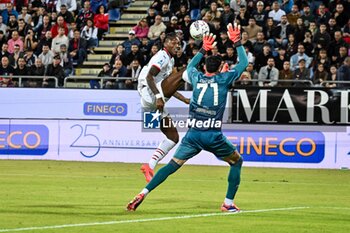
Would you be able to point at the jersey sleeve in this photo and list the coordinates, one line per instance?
(191, 72)
(160, 60)
(236, 72)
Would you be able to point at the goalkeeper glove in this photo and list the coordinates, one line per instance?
(208, 41)
(234, 33)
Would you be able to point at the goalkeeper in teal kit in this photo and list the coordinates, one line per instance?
(207, 105)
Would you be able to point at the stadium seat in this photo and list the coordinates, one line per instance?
(195, 14)
(114, 14)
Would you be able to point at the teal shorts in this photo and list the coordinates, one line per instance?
(210, 140)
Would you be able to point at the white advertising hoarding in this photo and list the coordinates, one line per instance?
(124, 141)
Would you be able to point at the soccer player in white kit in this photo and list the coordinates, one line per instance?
(154, 93)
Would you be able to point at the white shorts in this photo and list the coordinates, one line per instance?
(148, 100)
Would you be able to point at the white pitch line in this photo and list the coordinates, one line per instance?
(148, 219)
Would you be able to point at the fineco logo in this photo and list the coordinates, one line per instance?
(279, 146)
(24, 139)
(105, 109)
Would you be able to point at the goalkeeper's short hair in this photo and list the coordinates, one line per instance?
(212, 63)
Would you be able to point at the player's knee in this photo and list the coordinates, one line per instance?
(174, 137)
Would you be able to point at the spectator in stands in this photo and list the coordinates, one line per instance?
(307, 16)
(84, 14)
(15, 40)
(281, 58)
(260, 14)
(180, 60)
(343, 53)
(246, 42)
(6, 69)
(346, 32)
(3, 27)
(335, 45)
(299, 31)
(323, 15)
(141, 29)
(223, 42)
(166, 14)
(4, 51)
(332, 27)
(182, 13)
(17, 53)
(285, 74)
(156, 29)
(56, 70)
(320, 75)
(340, 15)
(276, 13)
(130, 41)
(47, 40)
(133, 73)
(89, 33)
(230, 56)
(21, 69)
(185, 27)
(71, 5)
(321, 58)
(77, 48)
(67, 15)
(60, 39)
(9, 11)
(25, 16)
(250, 69)
(30, 41)
(12, 25)
(173, 26)
(343, 73)
(301, 73)
(29, 57)
(38, 69)
(244, 79)
(236, 4)
(154, 50)
(151, 16)
(118, 53)
(66, 60)
(281, 33)
(175, 5)
(105, 72)
(243, 16)
(59, 24)
(213, 11)
(307, 42)
(101, 21)
(22, 29)
(322, 37)
(37, 18)
(252, 29)
(295, 59)
(332, 76)
(46, 56)
(3, 39)
(134, 54)
(269, 31)
(261, 58)
(118, 71)
(259, 43)
(44, 27)
(293, 15)
(268, 75)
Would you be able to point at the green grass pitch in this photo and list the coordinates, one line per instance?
(62, 195)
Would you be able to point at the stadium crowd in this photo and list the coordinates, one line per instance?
(284, 40)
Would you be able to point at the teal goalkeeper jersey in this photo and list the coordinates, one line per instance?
(210, 92)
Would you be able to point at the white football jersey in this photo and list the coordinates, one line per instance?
(163, 61)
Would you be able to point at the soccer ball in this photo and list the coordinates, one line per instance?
(198, 29)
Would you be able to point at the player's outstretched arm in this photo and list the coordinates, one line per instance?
(182, 98)
(235, 36)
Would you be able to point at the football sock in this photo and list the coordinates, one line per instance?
(162, 174)
(164, 147)
(228, 202)
(145, 191)
(234, 178)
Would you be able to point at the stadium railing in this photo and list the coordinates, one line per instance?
(278, 81)
(21, 77)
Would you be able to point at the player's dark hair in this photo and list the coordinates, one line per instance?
(212, 63)
(170, 36)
